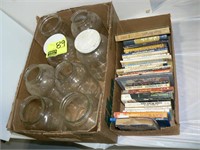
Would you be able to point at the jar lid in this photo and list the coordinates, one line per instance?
(87, 41)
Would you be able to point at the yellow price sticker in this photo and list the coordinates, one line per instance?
(56, 48)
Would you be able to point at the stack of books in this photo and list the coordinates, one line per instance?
(146, 80)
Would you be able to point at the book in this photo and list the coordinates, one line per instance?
(148, 104)
(150, 90)
(141, 97)
(145, 40)
(141, 114)
(145, 79)
(151, 109)
(145, 72)
(128, 50)
(145, 53)
(146, 33)
(136, 124)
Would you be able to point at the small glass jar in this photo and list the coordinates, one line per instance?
(53, 25)
(83, 19)
(40, 113)
(72, 77)
(79, 111)
(92, 52)
(40, 81)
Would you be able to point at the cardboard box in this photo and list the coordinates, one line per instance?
(101, 133)
(137, 25)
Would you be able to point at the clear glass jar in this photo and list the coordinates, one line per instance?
(40, 113)
(83, 19)
(53, 25)
(79, 111)
(72, 77)
(92, 51)
(40, 81)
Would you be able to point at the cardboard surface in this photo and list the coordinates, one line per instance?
(136, 25)
(101, 133)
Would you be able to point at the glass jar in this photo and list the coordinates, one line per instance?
(92, 51)
(40, 81)
(53, 29)
(83, 19)
(72, 77)
(79, 111)
(40, 113)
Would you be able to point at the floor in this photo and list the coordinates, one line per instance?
(31, 144)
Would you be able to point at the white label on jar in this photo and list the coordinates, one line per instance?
(55, 45)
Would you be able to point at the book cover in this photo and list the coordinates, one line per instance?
(146, 33)
(145, 40)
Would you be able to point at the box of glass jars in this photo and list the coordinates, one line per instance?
(66, 89)
(146, 93)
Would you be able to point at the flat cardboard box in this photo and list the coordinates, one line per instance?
(101, 133)
(137, 25)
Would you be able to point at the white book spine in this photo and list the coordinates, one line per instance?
(148, 104)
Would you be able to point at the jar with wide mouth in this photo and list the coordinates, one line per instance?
(79, 111)
(84, 19)
(40, 81)
(72, 77)
(40, 113)
(92, 52)
(55, 38)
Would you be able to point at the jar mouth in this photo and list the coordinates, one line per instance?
(63, 70)
(66, 104)
(32, 109)
(33, 73)
(50, 24)
(79, 16)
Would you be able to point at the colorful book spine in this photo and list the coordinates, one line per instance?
(145, 40)
(135, 35)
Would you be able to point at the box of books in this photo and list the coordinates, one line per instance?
(100, 132)
(145, 98)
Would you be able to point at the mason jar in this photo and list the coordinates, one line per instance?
(40, 113)
(83, 19)
(54, 31)
(79, 111)
(92, 52)
(72, 77)
(40, 81)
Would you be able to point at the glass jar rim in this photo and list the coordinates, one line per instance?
(78, 12)
(65, 101)
(28, 71)
(26, 102)
(45, 20)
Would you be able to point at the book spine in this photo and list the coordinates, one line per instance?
(148, 104)
(141, 114)
(145, 40)
(154, 109)
(150, 90)
(145, 48)
(140, 34)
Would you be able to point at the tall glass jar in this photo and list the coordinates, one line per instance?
(40, 81)
(83, 19)
(92, 51)
(53, 29)
(72, 77)
(40, 113)
(79, 111)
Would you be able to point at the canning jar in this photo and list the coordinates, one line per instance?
(83, 19)
(92, 51)
(40, 81)
(55, 39)
(71, 77)
(40, 113)
(79, 111)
